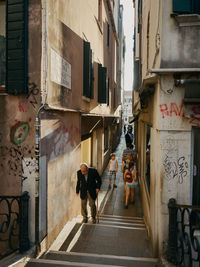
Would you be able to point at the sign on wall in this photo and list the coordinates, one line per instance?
(60, 70)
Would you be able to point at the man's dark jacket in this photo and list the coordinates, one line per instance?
(93, 182)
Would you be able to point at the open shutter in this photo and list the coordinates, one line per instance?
(17, 46)
(86, 69)
(91, 66)
(88, 76)
(136, 75)
(108, 34)
(102, 84)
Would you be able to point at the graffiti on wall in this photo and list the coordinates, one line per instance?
(175, 169)
(19, 132)
(172, 109)
(12, 158)
(62, 140)
(31, 98)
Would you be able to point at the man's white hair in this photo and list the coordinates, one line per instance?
(83, 164)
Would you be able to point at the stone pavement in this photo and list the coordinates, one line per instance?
(119, 239)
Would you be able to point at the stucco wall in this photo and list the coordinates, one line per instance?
(61, 146)
(67, 27)
(151, 35)
(179, 44)
(17, 124)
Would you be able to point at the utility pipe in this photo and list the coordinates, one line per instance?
(37, 176)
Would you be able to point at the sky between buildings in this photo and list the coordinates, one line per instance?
(128, 23)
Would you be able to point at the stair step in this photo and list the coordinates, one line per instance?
(121, 220)
(99, 259)
(122, 217)
(125, 224)
(60, 263)
(134, 219)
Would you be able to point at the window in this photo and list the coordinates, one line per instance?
(2, 44)
(100, 11)
(108, 35)
(17, 47)
(102, 84)
(105, 139)
(88, 71)
(186, 6)
(136, 75)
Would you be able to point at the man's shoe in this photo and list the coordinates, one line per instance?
(84, 220)
(114, 186)
(93, 220)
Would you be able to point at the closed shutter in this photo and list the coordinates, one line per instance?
(186, 6)
(88, 76)
(17, 46)
(102, 84)
(182, 6)
(196, 6)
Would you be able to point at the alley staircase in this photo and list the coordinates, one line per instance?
(119, 239)
(114, 241)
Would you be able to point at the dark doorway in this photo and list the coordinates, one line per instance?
(196, 167)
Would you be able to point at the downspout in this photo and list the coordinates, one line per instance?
(38, 126)
(37, 176)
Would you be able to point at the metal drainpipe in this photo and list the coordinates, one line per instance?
(37, 130)
(37, 176)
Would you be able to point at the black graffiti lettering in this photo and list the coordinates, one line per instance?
(33, 92)
(175, 169)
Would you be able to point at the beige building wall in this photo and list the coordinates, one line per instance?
(66, 25)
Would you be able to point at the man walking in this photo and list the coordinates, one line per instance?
(88, 184)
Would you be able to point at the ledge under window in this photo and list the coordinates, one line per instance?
(187, 20)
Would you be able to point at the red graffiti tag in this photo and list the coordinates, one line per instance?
(173, 109)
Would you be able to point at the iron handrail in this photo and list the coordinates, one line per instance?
(14, 224)
(183, 243)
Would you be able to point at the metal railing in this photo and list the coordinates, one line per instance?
(184, 234)
(14, 224)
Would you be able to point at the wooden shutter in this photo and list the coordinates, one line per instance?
(108, 34)
(102, 84)
(182, 6)
(91, 66)
(196, 7)
(88, 76)
(136, 75)
(186, 6)
(17, 46)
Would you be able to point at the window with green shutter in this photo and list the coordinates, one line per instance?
(88, 71)
(16, 46)
(102, 84)
(186, 6)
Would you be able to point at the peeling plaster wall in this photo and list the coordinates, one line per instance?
(61, 146)
(179, 44)
(17, 124)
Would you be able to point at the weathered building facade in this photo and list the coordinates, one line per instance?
(166, 108)
(60, 91)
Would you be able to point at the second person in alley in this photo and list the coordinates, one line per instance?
(88, 185)
(113, 169)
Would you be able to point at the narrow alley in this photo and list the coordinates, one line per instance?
(119, 239)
